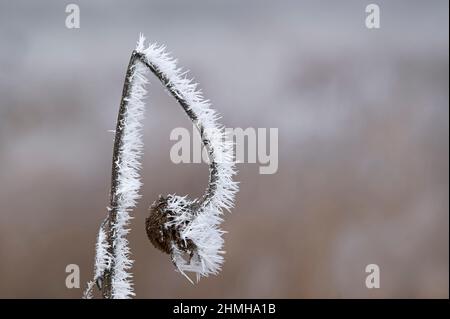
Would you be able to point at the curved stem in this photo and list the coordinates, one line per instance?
(136, 57)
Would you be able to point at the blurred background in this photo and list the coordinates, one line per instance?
(363, 119)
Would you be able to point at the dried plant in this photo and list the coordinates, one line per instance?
(188, 230)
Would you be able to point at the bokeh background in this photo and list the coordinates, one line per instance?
(363, 119)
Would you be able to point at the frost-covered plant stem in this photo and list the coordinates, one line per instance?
(188, 230)
(114, 279)
(107, 286)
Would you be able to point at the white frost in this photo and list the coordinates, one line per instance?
(102, 255)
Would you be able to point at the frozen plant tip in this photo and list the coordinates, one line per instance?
(188, 230)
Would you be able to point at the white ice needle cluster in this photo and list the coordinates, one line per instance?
(102, 261)
(102, 255)
(202, 227)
